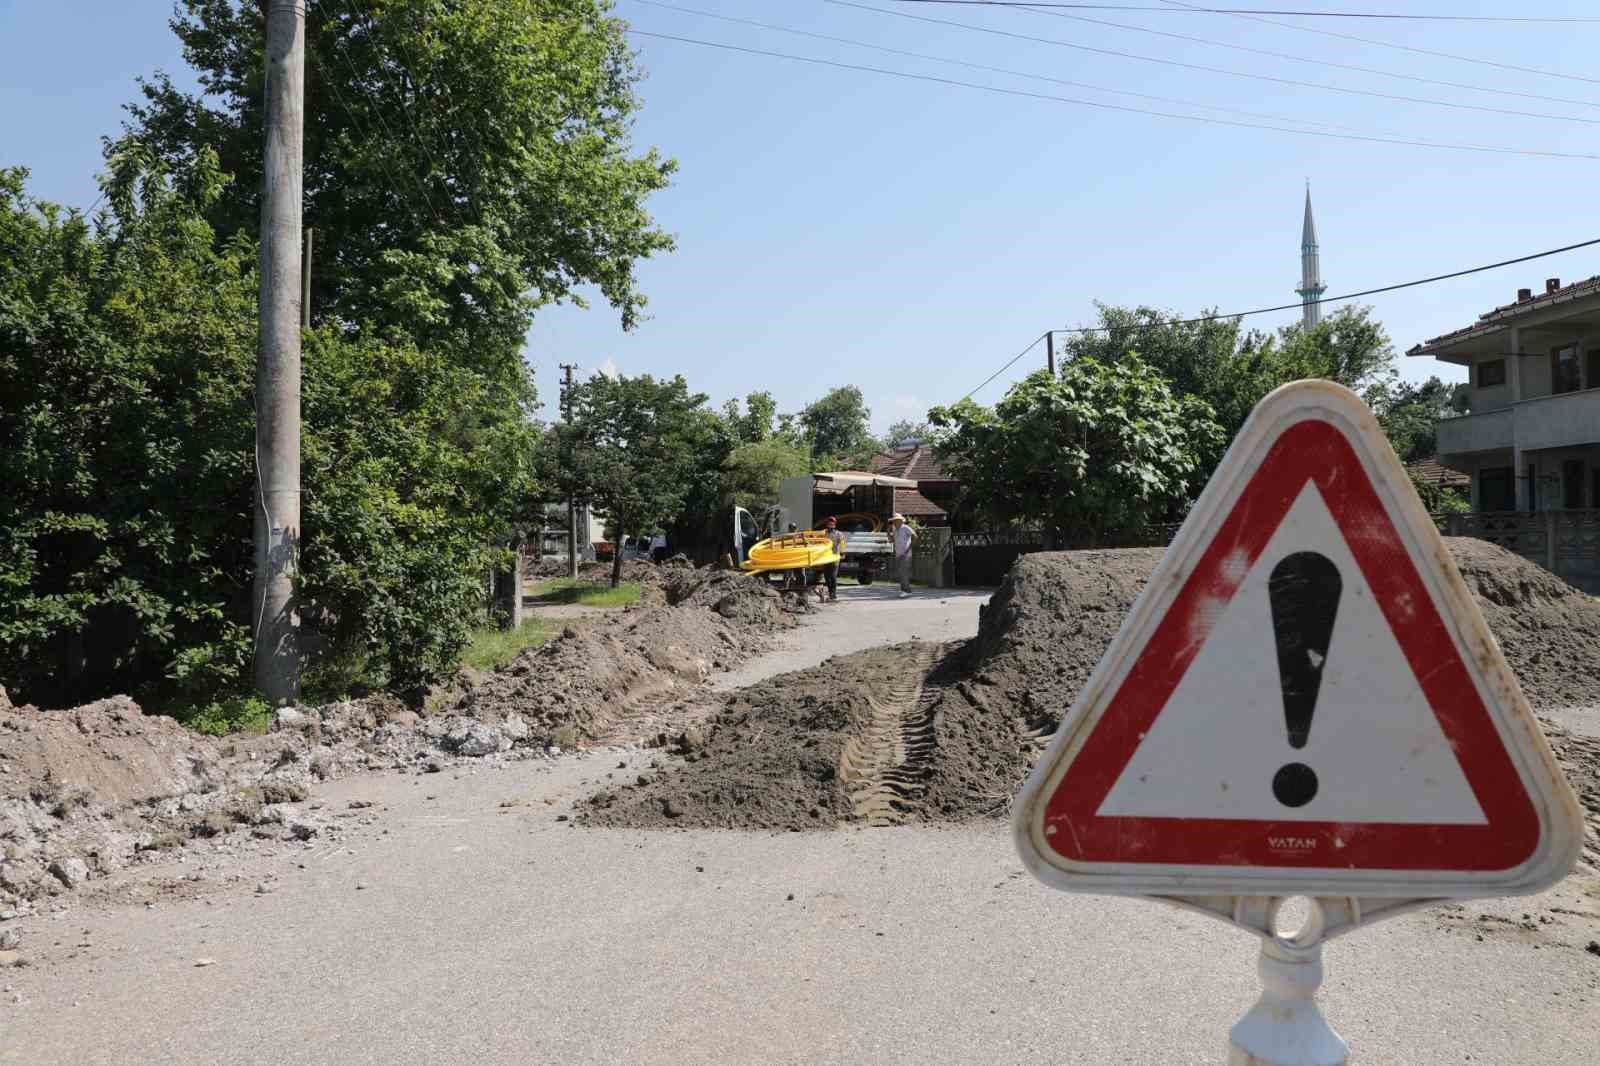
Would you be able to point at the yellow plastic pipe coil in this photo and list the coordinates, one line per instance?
(791, 551)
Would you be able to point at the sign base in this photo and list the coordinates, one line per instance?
(1286, 1027)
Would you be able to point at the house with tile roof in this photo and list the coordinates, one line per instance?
(1532, 439)
(934, 499)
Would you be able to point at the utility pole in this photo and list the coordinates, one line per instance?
(277, 504)
(1050, 351)
(572, 508)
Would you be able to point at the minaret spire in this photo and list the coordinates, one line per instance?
(1311, 286)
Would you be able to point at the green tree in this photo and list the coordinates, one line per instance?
(1214, 359)
(756, 423)
(1230, 368)
(631, 448)
(1348, 346)
(127, 356)
(466, 161)
(752, 472)
(905, 430)
(1096, 454)
(1410, 414)
(836, 427)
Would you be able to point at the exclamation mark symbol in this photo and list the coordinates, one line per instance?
(1304, 589)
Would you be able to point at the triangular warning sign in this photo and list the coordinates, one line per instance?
(1304, 699)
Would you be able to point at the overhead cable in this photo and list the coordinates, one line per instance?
(1101, 105)
(997, 70)
(1178, 5)
(1456, 105)
(1325, 62)
(1080, 330)
(1268, 11)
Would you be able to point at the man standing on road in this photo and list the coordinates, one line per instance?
(903, 535)
(830, 573)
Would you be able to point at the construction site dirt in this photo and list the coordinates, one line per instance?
(927, 733)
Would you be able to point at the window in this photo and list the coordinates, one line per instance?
(1594, 490)
(1592, 372)
(1564, 374)
(1572, 484)
(1496, 491)
(1491, 373)
(1533, 488)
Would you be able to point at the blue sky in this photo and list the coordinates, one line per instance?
(839, 227)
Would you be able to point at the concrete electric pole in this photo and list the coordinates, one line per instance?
(572, 508)
(277, 505)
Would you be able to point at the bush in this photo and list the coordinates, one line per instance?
(237, 714)
(127, 366)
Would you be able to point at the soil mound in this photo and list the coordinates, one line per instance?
(573, 687)
(806, 750)
(964, 730)
(87, 791)
(733, 595)
(1548, 630)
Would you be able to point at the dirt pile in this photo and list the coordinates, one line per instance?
(733, 595)
(1548, 630)
(1579, 758)
(576, 685)
(87, 791)
(90, 790)
(977, 718)
(632, 570)
(805, 750)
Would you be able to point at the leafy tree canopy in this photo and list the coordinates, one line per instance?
(905, 430)
(466, 161)
(632, 447)
(1097, 453)
(752, 472)
(837, 427)
(127, 364)
(1410, 413)
(757, 423)
(1216, 360)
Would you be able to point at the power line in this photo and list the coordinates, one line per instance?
(1080, 330)
(997, 70)
(1401, 47)
(1328, 62)
(355, 82)
(934, 79)
(1010, 363)
(1210, 70)
(1267, 11)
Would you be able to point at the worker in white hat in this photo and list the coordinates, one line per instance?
(902, 534)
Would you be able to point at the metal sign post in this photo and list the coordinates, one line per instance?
(1304, 702)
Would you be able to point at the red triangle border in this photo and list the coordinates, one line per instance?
(1317, 451)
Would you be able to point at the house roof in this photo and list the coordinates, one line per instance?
(1491, 321)
(1432, 472)
(914, 504)
(916, 462)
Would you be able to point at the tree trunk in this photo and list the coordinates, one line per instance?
(616, 554)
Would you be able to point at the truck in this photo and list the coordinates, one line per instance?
(860, 501)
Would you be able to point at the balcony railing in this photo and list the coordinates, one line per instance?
(1488, 431)
(1557, 421)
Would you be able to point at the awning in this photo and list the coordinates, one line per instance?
(840, 480)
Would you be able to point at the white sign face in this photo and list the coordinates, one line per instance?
(1214, 753)
(1304, 700)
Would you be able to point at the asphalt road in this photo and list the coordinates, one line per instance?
(493, 934)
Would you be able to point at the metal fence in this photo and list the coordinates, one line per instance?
(982, 557)
(1565, 542)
